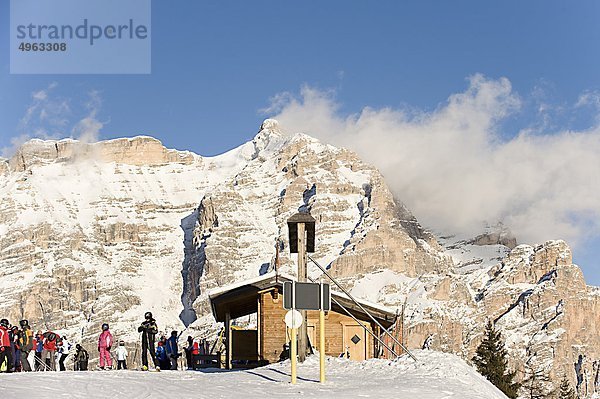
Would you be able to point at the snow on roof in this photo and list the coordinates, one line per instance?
(215, 292)
(212, 293)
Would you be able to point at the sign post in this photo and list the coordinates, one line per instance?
(303, 297)
(301, 227)
(293, 320)
(322, 337)
(302, 274)
(293, 345)
(294, 339)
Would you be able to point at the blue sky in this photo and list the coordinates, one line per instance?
(216, 65)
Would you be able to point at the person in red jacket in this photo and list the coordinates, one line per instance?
(105, 342)
(49, 351)
(5, 352)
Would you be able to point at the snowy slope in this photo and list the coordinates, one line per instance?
(436, 376)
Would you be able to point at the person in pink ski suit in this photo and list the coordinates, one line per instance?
(104, 344)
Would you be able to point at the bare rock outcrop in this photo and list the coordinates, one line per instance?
(140, 150)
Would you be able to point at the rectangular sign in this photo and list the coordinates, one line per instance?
(306, 296)
(80, 37)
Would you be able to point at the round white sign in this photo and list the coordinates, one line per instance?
(293, 319)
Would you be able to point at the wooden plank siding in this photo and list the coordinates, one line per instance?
(273, 335)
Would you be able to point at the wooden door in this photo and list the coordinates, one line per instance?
(355, 341)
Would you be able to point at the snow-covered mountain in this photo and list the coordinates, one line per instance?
(106, 231)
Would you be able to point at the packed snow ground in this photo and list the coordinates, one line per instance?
(435, 376)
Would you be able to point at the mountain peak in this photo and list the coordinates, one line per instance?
(271, 125)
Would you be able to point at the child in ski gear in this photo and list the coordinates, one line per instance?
(81, 358)
(64, 347)
(26, 344)
(195, 352)
(161, 356)
(172, 350)
(49, 349)
(149, 329)
(121, 356)
(6, 360)
(105, 342)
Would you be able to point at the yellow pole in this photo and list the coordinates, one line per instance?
(293, 351)
(322, 345)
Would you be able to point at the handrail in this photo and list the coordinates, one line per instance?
(362, 307)
(361, 324)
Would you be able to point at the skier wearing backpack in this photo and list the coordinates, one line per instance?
(149, 329)
(6, 360)
(121, 356)
(105, 342)
(81, 358)
(26, 344)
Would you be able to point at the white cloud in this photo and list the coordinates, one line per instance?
(40, 95)
(589, 98)
(455, 171)
(45, 113)
(88, 129)
(49, 116)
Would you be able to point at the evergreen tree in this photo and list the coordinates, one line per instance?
(491, 361)
(535, 384)
(565, 391)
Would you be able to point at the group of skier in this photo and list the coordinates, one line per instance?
(167, 351)
(22, 350)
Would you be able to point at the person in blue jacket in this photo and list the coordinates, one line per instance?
(39, 347)
(172, 350)
(161, 356)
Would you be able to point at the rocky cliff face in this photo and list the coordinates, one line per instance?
(142, 151)
(359, 226)
(94, 232)
(104, 232)
(537, 298)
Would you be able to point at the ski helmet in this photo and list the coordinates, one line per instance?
(148, 315)
(78, 347)
(104, 326)
(4, 322)
(24, 323)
